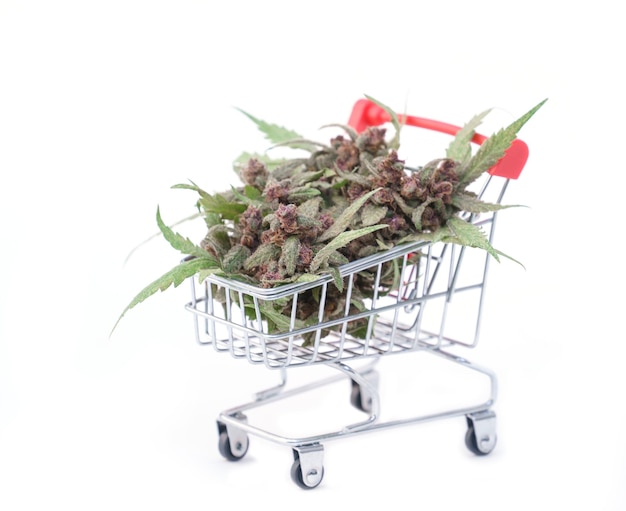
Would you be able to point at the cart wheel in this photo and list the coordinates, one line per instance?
(298, 478)
(471, 442)
(232, 450)
(356, 398)
(362, 399)
(227, 452)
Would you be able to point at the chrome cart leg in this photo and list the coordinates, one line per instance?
(481, 432)
(275, 390)
(307, 470)
(233, 442)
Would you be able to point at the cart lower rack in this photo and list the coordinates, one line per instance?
(436, 301)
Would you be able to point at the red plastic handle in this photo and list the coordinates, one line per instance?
(365, 113)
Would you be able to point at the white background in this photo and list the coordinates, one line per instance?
(105, 105)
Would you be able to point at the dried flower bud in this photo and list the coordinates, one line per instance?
(277, 191)
(354, 191)
(396, 224)
(255, 174)
(287, 215)
(443, 191)
(250, 226)
(326, 220)
(430, 219)
(347, 157)
(270, 274)
(307, 305)
(410, 188)
(273, 237)
(251, 219)
(372, 140)
(248, 240)
(383, 197)
(305, 255)
(446, 170)
(389, 172)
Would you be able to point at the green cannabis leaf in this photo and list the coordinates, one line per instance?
(184, 245)
(460, 148)
(273, 132)
(159, 233)
(174, 277)
(340, 241)
(493, 149)
(466, 233)
(343, 221)
(202, 261)
(468, 202)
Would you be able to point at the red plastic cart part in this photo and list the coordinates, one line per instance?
(365, 114)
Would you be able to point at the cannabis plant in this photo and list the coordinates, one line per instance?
(293, 220)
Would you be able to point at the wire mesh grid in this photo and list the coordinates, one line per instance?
(414, 288)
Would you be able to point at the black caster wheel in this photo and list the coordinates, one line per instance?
(313, 479)
(232, 450)
(472, 443)
(361, 397)
(357, 400)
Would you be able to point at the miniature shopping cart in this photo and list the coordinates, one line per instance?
(418, 315)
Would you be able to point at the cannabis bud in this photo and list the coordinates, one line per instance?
(292, 220)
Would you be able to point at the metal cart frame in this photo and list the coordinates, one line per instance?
(413, 317)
